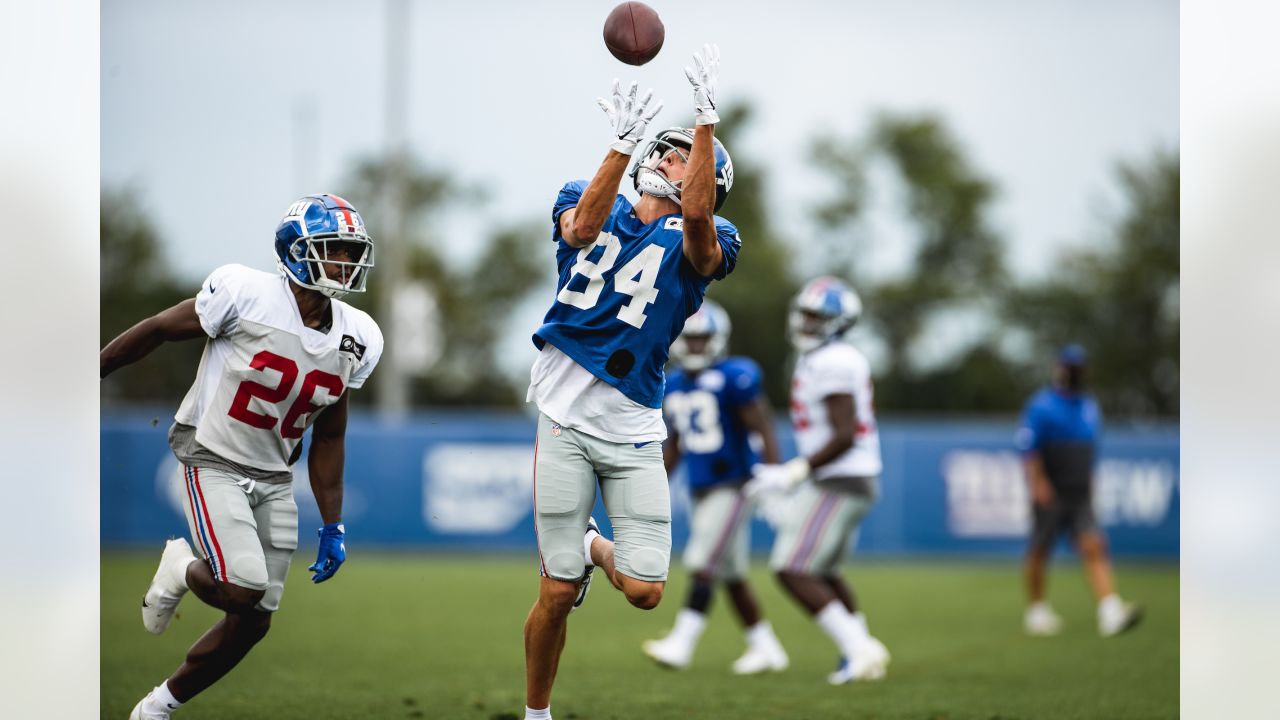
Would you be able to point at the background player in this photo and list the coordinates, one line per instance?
(280, 354)
(713, 404)
(835, 430)
(629, 276)
(1058, 439)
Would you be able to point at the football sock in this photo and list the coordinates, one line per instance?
(1110, 606)
(689, 626)
(860, 623)
(161, 700)
(761, 635)
(838, 624)
(586, 546)
(531, 714)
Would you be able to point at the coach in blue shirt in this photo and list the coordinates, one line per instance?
(1059, 440)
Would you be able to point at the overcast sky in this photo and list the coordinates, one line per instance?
(221, 114)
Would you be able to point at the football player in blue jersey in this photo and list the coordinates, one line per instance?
(714, 404)
(1058, 439)
(629, 275)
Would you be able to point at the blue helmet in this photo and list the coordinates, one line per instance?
(710, 322)
(647, 180)
(836, 307)
(303, 240)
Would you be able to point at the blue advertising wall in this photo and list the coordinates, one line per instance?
(464, 481)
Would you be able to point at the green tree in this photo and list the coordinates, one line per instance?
(135, 283)
(472, 302)
(1120, 300)
(757, 292)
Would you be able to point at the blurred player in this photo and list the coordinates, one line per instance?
(713, 404)
(1058, 439)
(629, 276)
(837, 473)
(280, 354)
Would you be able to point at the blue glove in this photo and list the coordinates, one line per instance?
(333, 552)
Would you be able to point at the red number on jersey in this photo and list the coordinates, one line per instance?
(314, 379)
(288, 370)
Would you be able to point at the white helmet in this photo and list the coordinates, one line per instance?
(836, 306)
(711, 322)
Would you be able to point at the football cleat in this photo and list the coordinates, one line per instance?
(1041, 621)
(1126, 617)
(862, 668)
(878, 652)
(167, 587)
(761, 658)
(140, 714)
(585, 587)
(669, 653)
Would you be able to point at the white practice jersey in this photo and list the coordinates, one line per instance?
(835, 369)
(265, 376)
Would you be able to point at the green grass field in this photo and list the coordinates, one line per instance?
(439, 636)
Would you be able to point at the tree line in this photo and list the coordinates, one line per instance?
(1118, 295)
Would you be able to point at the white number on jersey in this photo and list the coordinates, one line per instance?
(697, 419)
(638, 278)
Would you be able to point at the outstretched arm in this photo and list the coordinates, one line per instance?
(629, 116)
(698, 194)
(324, 465)
(179, 322)
(756, 417)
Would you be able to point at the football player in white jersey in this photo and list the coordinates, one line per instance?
(281, 351)
(835, 477)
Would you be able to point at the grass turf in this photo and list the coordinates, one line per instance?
(439, 636)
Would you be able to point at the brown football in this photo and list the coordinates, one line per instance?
(633, 32)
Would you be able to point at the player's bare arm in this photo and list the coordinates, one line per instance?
(757, 418)
(1041, 490)
(629, 113)
(581, 225)
(671, 451)
(326, 458)
(698, 205)
(179, 322)
(843, 413)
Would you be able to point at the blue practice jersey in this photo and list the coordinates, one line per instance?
(1063, 428)
(703, 409)
(621, 301)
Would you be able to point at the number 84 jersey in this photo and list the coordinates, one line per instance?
(265, 376)
(621, 301)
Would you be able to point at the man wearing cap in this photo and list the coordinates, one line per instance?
(1059, 439)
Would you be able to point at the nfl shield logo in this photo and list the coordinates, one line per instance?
(555, 430)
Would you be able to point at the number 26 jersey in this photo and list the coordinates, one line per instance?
(265, 377)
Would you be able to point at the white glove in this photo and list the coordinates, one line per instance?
(703, 79)
(776, 478)
(628, 115)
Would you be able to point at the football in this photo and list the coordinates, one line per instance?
(633, 32)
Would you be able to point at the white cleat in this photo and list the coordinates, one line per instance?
(139, 714)
(1041, 621)
(669, 653)
(879, 654)
(167, 587)
(1125, 617)
(862, 668)
(761, 658)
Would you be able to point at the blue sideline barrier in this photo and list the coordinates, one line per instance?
(463, 481)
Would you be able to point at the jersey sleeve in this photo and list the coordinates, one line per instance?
(730, 244)
(216, 301)
(743, 382)
(569, 197)
(1030, 436)
(372, 354)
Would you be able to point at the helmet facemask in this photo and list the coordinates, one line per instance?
(648, 180)
(317, 252)
(704, 340)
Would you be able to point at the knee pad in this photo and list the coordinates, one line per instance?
(248, 571)
(565, 566)
(646, 563)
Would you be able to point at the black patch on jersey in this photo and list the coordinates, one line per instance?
(350, 345)
(620, 363)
